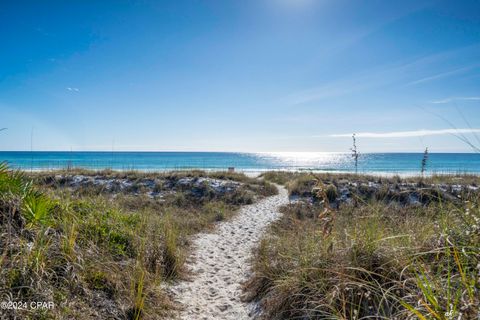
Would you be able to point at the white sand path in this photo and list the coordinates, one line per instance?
(220, 263)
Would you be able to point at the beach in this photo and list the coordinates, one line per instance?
(209, 245)
(240, 160)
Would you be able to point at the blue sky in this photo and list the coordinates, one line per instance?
(250, 75)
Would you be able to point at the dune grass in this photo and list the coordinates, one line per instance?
(369, 260)
(98, 254)
(286, 177)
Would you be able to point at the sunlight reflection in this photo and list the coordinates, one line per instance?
(318, 160)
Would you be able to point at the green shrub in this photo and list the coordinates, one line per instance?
(302, 186)
(331, 192)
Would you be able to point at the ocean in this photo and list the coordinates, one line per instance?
(382, 163)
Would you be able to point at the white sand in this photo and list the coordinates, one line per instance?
(220, 264)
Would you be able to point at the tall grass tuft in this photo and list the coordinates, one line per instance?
(424, 162)
(172, 261)
(138, 294)
(355, 152)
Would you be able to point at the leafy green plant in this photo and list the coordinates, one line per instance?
(36, 208)
(13, 182)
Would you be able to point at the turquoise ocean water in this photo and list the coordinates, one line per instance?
(393, 163)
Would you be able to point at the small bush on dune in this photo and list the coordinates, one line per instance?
(302, 186)
(268, 189)
(241, 196)
(331, 192)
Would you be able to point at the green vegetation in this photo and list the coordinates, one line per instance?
(101, 252)
(369, 259)
(289, 178)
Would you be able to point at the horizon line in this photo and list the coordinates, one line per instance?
(247, 152)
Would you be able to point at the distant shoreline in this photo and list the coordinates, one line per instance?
(383, 164)
(256, 173)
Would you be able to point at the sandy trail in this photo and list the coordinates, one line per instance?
(220, 263)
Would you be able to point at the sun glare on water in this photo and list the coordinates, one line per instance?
(310, 160)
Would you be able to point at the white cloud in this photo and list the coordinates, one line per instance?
(73, 89)
(448, 100)
(406, 134)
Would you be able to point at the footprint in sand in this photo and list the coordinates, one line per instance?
(224, 256)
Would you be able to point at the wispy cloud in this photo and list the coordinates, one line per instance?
(72, 89)
(443, 75)
(406, 134)
(448, 100)
(400, 73)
